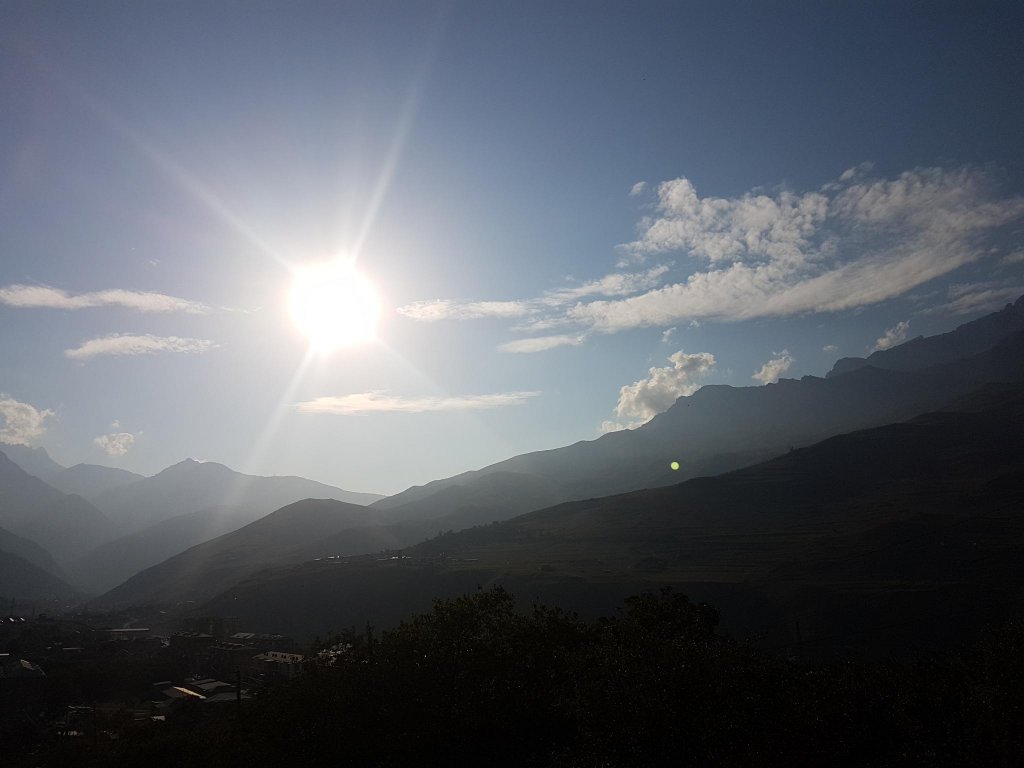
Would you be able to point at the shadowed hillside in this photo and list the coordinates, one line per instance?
(290, 534)
(836, 518)
(720, 428)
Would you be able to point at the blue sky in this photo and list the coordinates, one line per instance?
(552, 201)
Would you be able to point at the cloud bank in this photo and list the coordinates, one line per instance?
(21, 422)
(115, 444)
(382, 402)
(145, 344)
(853, 242)
(642, 400)
(42, 296)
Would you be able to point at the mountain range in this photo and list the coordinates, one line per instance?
(715, 428)
(914, 526)
(587, 520)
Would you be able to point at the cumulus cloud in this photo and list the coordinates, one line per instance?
(115, 444)
(642, 400)
(145, 344)
(541, 343)
(893, 336)
(638, 189)
(364, 402)
(854, 242)
(43, 296)
(21, 423)
(774, 368)
(830, 349)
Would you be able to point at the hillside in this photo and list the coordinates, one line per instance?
(290, 534)
(816, 537)
(30, 551)
(115, 561)
(720, 428)
(22, 580)
(921, 352)
(65, 526)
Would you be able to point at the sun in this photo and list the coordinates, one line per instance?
(334, 305)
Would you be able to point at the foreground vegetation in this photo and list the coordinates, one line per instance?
(474, 682)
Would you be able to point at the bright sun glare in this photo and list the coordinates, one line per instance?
(334, 305)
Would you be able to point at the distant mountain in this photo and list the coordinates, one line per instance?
(916, 528)
(89, 480)
(191, 486)
(966, 340)
(110, 564)
(66, 526)
(35, 461)
(291, 534)
(30, 551)
(23, 580)
(86, 480)
(720, 428)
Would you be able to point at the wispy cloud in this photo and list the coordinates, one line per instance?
(541, 343)
(892, 336)
(21, 423)
(830, 349)
(770, 372)
(381, 402)
(853, 242)
(642, 400)
(638, 189)
(43, 296)
(965, 298)
(145, 344)
(448, 309)
(115, 444)
(614, 284)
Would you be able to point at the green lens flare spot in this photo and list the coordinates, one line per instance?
(675, 466)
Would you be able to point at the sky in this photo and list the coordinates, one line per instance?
(570, 213)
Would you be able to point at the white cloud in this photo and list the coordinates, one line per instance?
(146, 344)
(364, 402)
(774, 368)
(852, 243)
(115, 444)
(667, 334)
(893, 336)
(856, 241)
(541, 343)
(448, 309)
(42, 296)
(22, 423)
(638, 189)
(614, 284)
(830, 349)
(642, 400)
(1014, 257)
